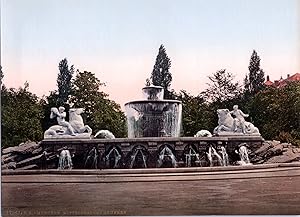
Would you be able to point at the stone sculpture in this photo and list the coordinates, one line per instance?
(233, 123)
(203, 133)
(239, 118)
(105, 134)
(74, 128)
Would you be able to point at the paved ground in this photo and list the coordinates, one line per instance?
(194, 191)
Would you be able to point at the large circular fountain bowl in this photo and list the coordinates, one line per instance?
(153, 118)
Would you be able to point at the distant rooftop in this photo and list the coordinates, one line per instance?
(282, 82)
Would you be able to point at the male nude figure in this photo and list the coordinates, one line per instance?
(239, 115)
(61, 115)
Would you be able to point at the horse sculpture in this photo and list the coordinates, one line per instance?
(75, 122)
(227, 124)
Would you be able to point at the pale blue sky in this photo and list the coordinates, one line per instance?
(119, 40)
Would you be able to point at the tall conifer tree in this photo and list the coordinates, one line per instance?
(64, 83)
(254, 81)
(161, 75)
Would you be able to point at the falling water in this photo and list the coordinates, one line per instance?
(115, 154)
(243, 152)
(153, 116)
(133, 157)
(65, 160)
(188, 157)
(166, 152)
(92, 158)
(224, 154)
(212, 152)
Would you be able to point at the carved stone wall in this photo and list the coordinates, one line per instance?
(145, 152)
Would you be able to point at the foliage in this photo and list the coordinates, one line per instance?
(48, 102)
(64, 81)
(254, 81)
(1, 75)
(196, 114)
(100, 112)
(289, 137)
(161, 75)
(222, 87)
(276, 111)
(21, 116)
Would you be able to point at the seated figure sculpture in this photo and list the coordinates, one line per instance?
(229, 125)
(74, 128)
(239, 118)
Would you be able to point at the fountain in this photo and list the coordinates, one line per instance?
(65, 160)
(213, 153)
(225, 159)
(243, 153)
(165, 151)
(154, 127)
(166, 155)
(113, 158)
(92, 159)
(153, 116)
(139, 154)
(191, 156)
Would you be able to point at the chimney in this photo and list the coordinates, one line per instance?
(288, 75)
(268, 78)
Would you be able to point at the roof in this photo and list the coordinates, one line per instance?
(268, 83)
(283, 82)
(295, 77)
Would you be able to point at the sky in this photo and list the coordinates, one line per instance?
(118, 40)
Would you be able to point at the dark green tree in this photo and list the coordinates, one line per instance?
(196, 114)
(100, 112)
(64, 82)
(276, 112)
(21, 116)
(161, 75)
(48, 102)
(1, 75)
(254, 81)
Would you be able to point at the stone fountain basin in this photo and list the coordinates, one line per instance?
(256, 189)
(153, 118)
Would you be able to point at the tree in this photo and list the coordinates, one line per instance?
(1, 75)
(48, 102)
(276, 112)
(21, 116)
(161, 75)
(64, 81)
(100, 112)
(254, 81)
(196, 114)
(222, 88)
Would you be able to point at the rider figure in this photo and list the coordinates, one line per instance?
(239, 116)
(61, 115)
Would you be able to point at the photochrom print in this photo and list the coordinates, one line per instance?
(150, 107)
